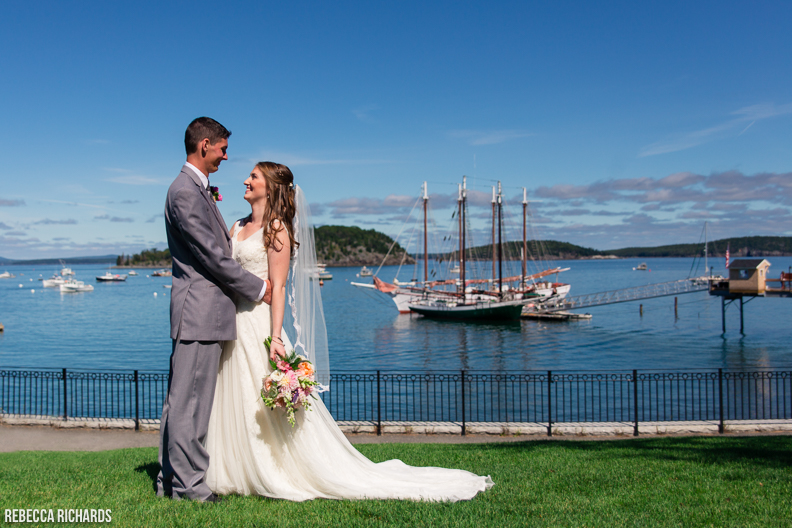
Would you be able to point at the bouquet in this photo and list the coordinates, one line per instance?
(290, 384)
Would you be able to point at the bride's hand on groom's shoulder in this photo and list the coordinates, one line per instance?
(267, 293)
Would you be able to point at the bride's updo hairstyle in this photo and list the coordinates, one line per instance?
(280, 201)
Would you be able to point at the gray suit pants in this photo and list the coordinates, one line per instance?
(185, 419)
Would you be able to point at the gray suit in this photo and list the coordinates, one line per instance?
(206, 280)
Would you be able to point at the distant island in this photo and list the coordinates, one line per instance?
(757, 246)
(335, 246)
(101, 259)
(353, 246)
(148, 258)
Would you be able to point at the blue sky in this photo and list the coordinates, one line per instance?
(629, 123)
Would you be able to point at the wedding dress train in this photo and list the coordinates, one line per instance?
(255, 451)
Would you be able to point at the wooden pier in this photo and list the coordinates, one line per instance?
(747, 281)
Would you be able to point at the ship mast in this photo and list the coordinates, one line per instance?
(426, 245)
(500, 244)
(463, 218)
(461, 241)
(706, 263)
(525, 235)
(494, 220)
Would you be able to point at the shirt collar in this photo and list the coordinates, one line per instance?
(201, 176)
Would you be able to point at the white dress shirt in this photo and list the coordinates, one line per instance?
(205, 182)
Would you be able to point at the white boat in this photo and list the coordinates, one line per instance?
(323, 273)
(454, 269)
(53, 282)
(162, 273)
(641, 267)
(6, 275)
(133, 273)
(110, 277)
(365, 272)
(75, 286)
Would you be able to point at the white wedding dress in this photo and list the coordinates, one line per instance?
(255, 451)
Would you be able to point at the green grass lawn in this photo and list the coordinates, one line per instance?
(643, 482)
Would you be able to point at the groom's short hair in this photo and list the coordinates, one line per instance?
(203, 127)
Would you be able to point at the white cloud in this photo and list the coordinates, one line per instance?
(489, 137)
(746, 115)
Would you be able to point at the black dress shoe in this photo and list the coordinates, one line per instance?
(213, 498)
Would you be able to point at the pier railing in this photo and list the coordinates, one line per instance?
(462, 397)
(649, 291)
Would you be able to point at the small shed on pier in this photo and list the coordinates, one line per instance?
(748, 276)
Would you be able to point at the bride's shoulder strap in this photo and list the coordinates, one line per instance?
(235, 227)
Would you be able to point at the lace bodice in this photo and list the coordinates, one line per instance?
(250, 252)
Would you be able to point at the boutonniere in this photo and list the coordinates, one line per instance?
(215, 192)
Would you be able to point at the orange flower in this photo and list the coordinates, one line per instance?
(307, 367)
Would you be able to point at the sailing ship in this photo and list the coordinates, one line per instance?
(472, 298)
(472, 304)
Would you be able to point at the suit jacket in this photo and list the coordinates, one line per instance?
(206, 279)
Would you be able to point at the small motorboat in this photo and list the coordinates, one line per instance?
(641, 267)
(365, 272)
(53, 282)
(6, 275)
(133, 273)
(323, 273)
(110, 277)
(162, 273)
(75, 286)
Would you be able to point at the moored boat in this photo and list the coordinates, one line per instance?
(365, 272)
(111, 277)
(6, 275)
(162, 273)
(323, 274)
(75, 286)
(53, 282)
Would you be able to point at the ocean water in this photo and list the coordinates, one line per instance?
(125, 326)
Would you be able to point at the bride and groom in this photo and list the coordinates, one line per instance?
(229, 294)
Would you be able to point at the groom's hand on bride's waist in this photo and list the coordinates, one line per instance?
(267, 292)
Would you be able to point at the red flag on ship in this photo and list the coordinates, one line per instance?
(727, 256)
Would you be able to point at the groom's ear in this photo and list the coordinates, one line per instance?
(203, 146)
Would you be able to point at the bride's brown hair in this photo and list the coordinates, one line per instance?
(280, 202)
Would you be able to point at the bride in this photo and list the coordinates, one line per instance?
(254, 450)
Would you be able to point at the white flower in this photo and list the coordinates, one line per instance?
(276, 376)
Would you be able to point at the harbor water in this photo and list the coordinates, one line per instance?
(125, 326)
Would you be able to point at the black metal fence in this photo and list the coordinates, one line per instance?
(546, 397)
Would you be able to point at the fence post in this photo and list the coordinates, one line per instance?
(720, 399)
(635, 401)
(549, 404)
(65, 398)
(463, 403)
(379, 410)
(137, 409)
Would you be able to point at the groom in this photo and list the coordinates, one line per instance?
(202, 311)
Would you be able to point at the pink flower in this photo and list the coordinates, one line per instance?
(294, 383)
(282, 365)
(219, 197)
